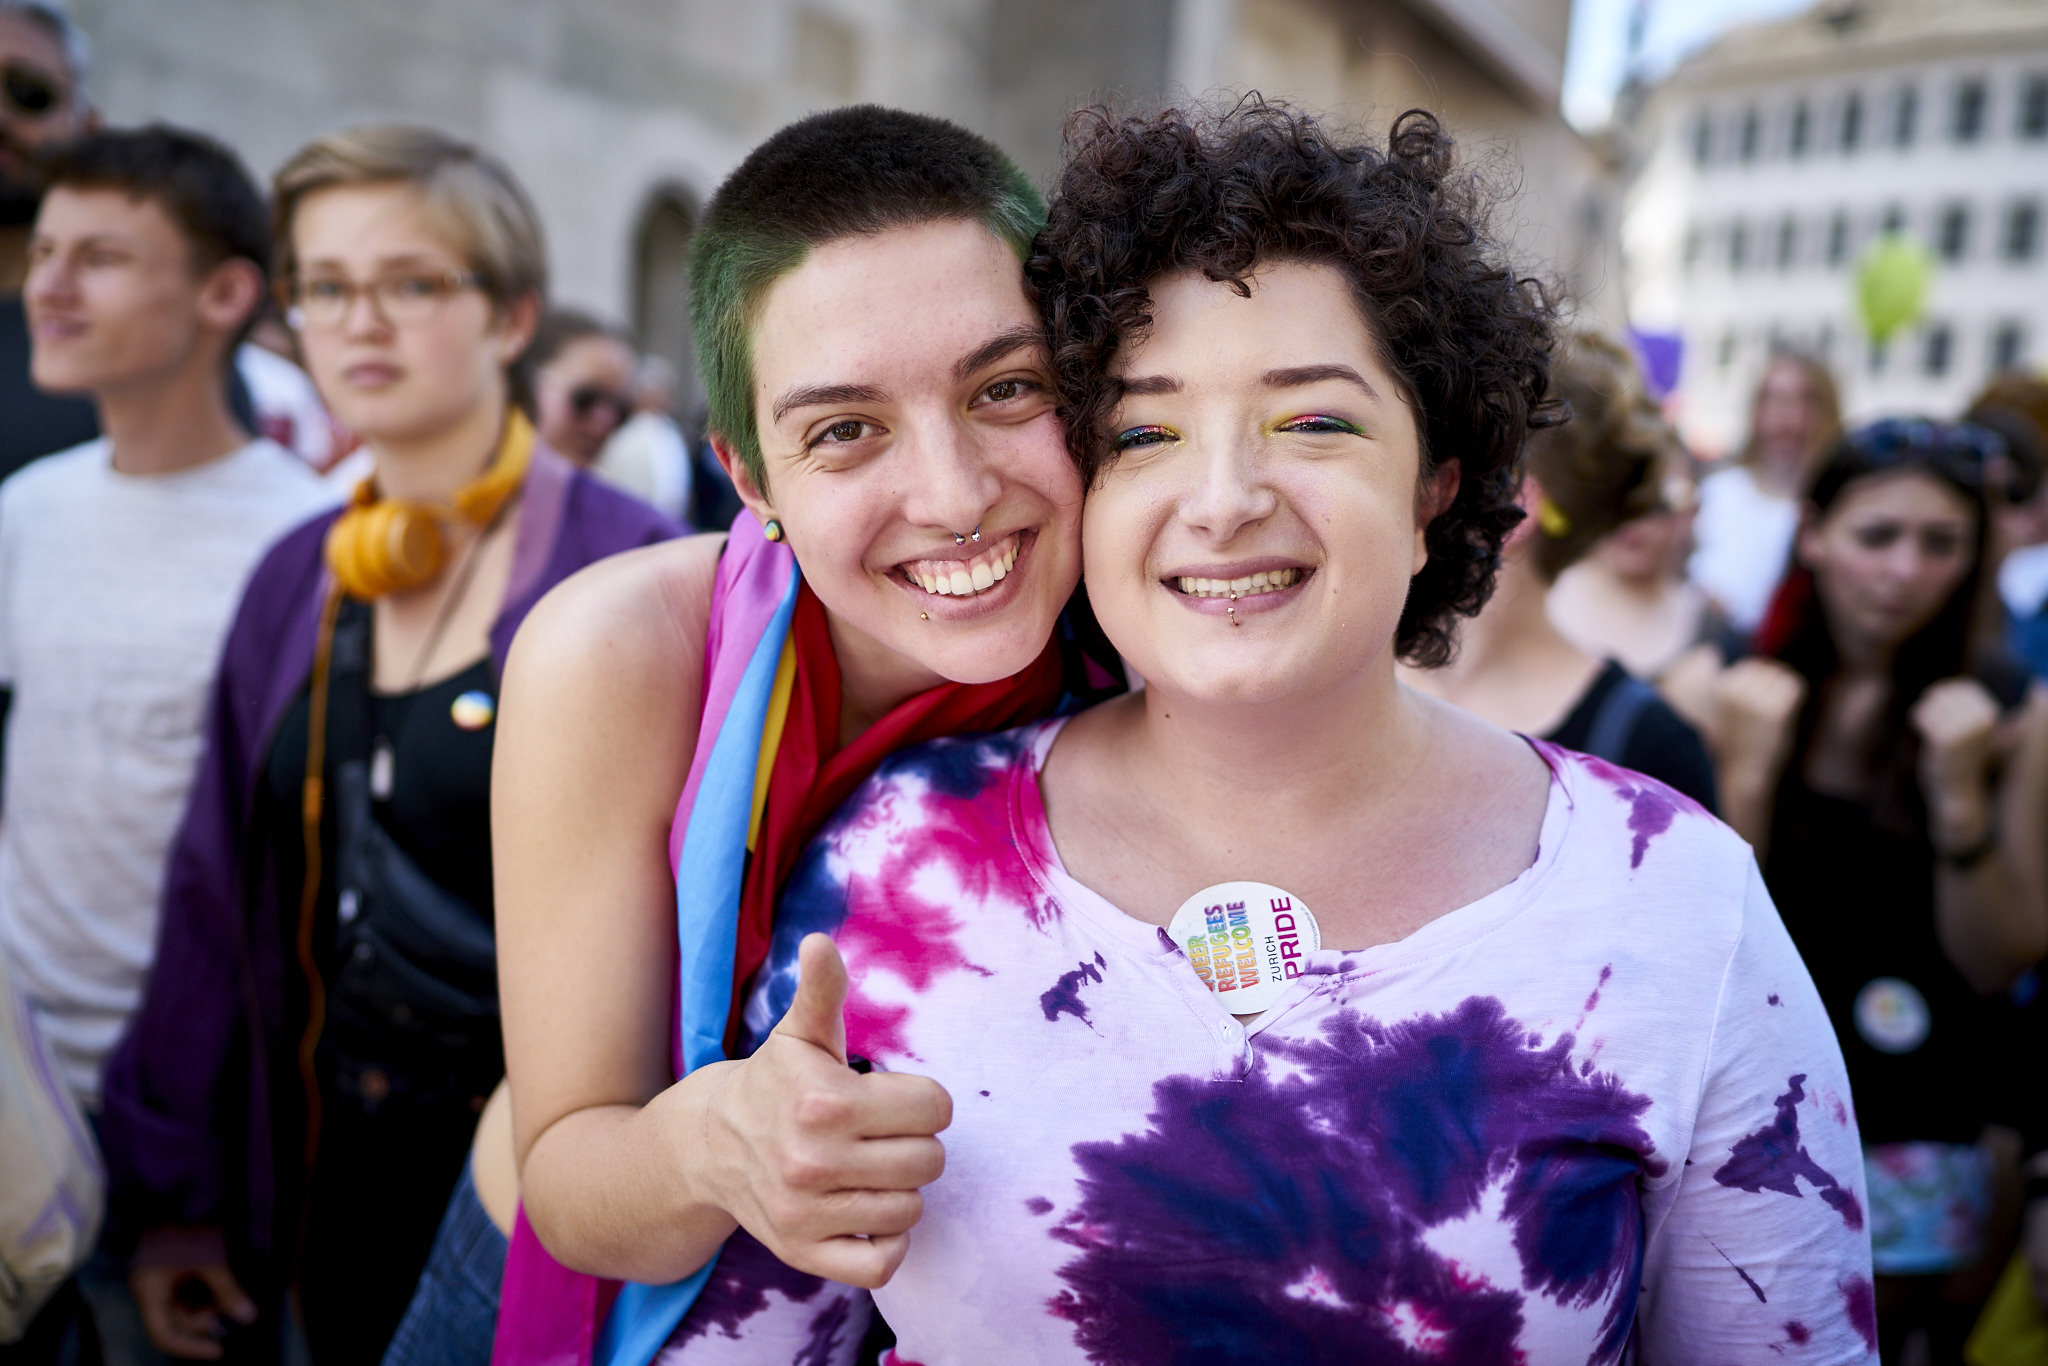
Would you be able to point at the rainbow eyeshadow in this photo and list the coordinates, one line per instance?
(1149, 435)
(1325, 423)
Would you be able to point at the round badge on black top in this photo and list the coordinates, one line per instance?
(1892, 1015)
(1246, 941)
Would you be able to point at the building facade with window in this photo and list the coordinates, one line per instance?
(621, 116)
(1771, 163)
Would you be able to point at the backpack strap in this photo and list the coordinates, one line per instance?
(1614, 725)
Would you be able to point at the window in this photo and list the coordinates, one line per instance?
(1878, 356)
(1702, 140)
(1802, 127)
(1894, 220)
(1726, 357)
(1824, 344)
(2022, 230)
(1838, 238)
(2008, 346)
(1952, 238)
(1852, 122)
(1692, 248)
(1752, 131)
(1788, 241)
(1905, 116)
(1935, 350)
(2034, 107)
(1968, 123)
(1738, 245)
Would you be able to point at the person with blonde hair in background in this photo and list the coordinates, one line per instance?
(293, 1103)
(1601, 471)
(1749, 511)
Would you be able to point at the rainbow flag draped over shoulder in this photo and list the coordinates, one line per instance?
(767, 772)
(749, 680)
(549, 1315)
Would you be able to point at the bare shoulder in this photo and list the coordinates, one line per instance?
(638, 617)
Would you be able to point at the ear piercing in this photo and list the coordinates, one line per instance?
(772, 529)
(974, 536)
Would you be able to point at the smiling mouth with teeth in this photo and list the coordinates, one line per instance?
(1245, 587)
(965, 578)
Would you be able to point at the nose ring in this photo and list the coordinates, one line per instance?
(974, 536)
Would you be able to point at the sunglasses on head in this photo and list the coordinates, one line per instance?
(29, 90)
(1896, 436)
(586, 399)
(1964, 453)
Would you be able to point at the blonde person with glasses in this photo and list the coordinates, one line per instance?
(294, 1102)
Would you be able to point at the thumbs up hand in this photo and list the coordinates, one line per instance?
(820, 1163)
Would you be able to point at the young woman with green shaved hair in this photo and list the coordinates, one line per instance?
(881, 395)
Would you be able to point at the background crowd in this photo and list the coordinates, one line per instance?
(1834, 638)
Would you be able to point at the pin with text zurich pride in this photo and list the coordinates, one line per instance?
(1246, 940)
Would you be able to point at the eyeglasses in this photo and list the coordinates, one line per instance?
(586, 399)
(30, 91)
(326, 300)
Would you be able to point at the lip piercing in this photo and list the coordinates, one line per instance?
(1231, 610)
(924, 616)
(974, 536)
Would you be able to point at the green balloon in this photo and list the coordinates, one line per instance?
(1891, 285)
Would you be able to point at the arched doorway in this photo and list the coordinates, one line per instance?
(661, 291)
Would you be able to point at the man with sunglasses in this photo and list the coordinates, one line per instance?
(42, 106)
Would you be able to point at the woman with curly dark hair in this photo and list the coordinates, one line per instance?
(1287, 1014)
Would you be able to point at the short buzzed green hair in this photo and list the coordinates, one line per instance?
(844, 173)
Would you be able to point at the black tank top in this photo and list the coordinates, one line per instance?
(437, 802)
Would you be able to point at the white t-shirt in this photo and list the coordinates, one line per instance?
(2023, 581)
(1742, 544)
(115, 595)
(288, 407)
(1595, 1116)
(649, 459)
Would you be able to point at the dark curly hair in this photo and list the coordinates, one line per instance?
(1222, 193)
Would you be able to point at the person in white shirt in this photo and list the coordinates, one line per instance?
(1749, 513)
(122, 559)
(288, 407)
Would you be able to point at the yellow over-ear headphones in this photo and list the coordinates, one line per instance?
(389, 545)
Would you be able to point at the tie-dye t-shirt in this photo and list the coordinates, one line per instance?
(1597, 1115)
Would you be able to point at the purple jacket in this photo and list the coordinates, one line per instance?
(194, 1130)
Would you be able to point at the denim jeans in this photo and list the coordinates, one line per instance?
(454, 1311)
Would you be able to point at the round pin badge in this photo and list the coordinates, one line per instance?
(1246, 941)
(473, 710)
(1892, 1015)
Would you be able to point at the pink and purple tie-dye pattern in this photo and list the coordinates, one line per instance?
(1553, 1125)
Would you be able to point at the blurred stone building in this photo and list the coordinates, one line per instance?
(1772, 160)
(622, 115)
